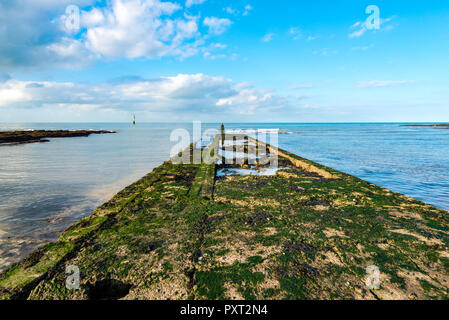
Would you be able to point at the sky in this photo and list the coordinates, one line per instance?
(232, 61)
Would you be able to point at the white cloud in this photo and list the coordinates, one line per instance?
(358, 33)
(217, 25)
(355, 25)
(188, 93)
(295, 33)
(92, 18)
(230, 10)
(245, 11)
(363, 48)
(248, 9)
(120, 28)
(381, 83)
(67, 49)
(209, 52)
(218, 46)
(13, 92)
(311, 38)
(30, 37)
(268, 37)
(325, 52)
(137, 29)
(190, 3)
(210, 56)
(362, 28)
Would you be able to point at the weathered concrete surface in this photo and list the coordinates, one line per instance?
(309, 232)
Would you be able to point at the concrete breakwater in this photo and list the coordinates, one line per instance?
(302, 231)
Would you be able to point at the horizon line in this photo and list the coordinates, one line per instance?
(255, 122)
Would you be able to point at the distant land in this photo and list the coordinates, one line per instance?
(19, 137)
(444, 126)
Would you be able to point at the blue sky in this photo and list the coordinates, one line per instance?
(250, 60)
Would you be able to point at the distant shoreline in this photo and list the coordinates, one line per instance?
(441, 126)
(21, 137)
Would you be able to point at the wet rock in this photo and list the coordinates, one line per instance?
(108, 289)
(297, 189)
(17, 137)
(197, 255)
(33, 258)
(307, 270)
(258, 217)
(146, 246)
(325, 180)
(314, 203)
(298, 247)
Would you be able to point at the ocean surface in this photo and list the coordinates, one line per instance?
(46, 187)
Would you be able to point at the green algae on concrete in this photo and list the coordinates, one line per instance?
(308, 232)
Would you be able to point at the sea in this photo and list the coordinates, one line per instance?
(46, 187)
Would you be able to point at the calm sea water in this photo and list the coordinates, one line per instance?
(46, 187)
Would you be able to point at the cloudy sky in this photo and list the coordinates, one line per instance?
(214, 60)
